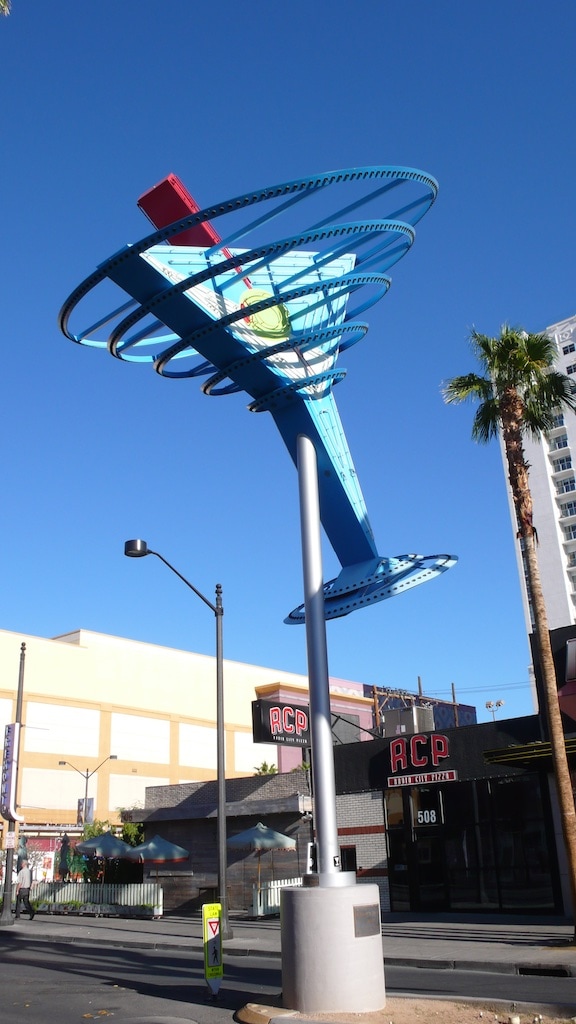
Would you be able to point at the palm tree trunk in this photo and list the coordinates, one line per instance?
(555, 729)
(518, 475)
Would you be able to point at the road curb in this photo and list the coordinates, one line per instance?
(535, 967)
(261, 1013)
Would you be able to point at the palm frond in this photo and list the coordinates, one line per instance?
(518, 366)
(551, 392)
(469, 386)
(5, 6)
(486, 421)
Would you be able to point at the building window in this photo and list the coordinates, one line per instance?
(571, 368)
(348, 860)
(568, 348)
(558, 420)
(570, 532)
(561, 464)
(394, 808)
(563, 486)
(491, 850)
(568, 509)
(559, 442)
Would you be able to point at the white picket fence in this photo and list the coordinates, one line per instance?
(105, 896)
(266, 899)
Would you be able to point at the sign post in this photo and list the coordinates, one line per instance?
(212, 934)
(8, 795)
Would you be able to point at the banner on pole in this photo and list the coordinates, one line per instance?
(10, 773)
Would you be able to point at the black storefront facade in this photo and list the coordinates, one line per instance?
(469, 817)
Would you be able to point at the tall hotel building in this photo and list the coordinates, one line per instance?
(552, 460)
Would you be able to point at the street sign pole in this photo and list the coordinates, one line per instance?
(10, 812)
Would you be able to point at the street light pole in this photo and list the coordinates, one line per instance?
(139, 549)
(6, 917)
(87, 775)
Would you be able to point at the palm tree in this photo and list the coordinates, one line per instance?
(519, 394)
(5, 7)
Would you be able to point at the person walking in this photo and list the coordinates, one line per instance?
(23, 885)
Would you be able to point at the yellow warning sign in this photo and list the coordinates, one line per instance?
(211, 929)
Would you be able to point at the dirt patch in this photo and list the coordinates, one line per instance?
(436, 1011)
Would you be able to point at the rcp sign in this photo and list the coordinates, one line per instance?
(280, 723)
(421, 756)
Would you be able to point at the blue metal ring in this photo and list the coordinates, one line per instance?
(298, 190)
(416, 569)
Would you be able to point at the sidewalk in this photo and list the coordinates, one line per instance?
(511, 945)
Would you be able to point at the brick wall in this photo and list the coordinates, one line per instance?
(360, 818)
(205, 794)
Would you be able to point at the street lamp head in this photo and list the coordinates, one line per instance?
(136, 548)
(62, 762)
(113, 757)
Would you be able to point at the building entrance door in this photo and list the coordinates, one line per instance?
(430, 863)
(417, 871)
(416, 850)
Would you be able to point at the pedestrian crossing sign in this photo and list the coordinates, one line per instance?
(212, 934)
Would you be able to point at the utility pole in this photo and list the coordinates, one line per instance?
(456, 722)
(377, 715)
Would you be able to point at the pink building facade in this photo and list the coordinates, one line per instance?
(352, 715)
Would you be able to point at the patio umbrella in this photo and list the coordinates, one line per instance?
(261, 838)
(158, 851)
(107, 846)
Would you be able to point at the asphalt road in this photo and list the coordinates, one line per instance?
(72, 984)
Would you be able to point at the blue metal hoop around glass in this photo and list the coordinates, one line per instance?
(271, 319)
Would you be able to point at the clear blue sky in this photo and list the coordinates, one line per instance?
(102, 100)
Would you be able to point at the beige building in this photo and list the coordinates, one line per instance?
(87, 696)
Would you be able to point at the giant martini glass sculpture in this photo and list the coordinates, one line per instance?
(271, 318)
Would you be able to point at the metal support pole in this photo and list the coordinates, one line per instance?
(221, 769)
(85, 808)
(320, 718)
(6, 917)
(324, 917)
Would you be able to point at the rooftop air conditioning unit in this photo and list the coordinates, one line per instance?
(407, 721)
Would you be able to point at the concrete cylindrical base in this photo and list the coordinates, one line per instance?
(332, 958)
